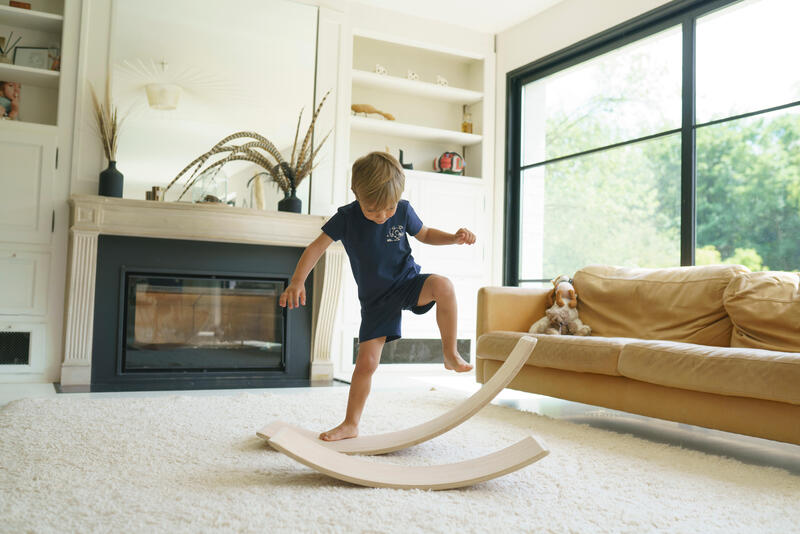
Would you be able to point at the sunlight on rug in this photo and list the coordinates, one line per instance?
(189, 464)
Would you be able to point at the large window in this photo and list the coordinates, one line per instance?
(673, 139)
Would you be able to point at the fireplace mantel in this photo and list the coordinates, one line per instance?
(91, 216)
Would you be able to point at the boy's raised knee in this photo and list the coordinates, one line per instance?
(442, 287)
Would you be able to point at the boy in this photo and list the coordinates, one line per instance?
(374, 232)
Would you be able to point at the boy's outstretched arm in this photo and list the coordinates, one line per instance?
(295, 294)
(434, 236)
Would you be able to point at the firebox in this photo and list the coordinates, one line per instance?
(175, 314)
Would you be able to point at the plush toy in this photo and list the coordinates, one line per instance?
(561, 316)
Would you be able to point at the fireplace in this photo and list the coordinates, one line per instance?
(179, 314)
(193, 242)
(201, 323)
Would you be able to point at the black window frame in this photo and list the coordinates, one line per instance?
(678, 12)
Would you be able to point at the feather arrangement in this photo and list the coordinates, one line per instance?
(260, 150)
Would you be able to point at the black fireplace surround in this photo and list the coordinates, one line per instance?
(127, 263)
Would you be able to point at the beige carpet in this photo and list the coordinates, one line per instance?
(193, 464)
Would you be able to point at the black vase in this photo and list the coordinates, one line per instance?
(110, 181)
(291, 203)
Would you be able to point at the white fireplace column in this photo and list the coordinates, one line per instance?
(91, 216)
(77, 367)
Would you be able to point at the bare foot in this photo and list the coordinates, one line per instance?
(455, 362)
(343, 431)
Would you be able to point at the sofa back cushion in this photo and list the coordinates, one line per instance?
(765, 310)
(675, 304)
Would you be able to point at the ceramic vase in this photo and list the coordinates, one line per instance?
(110, 181)
(290, 203)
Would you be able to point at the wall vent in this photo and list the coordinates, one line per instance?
(15, 348)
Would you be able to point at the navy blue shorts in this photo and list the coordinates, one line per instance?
(383, 318)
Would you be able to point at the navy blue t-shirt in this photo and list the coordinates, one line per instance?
(380, 254)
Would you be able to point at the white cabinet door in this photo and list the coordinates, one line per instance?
(27, 169)
(23, 281)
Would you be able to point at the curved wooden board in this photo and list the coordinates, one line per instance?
(401, 439)
(363, 472)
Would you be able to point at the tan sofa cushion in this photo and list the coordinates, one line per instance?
(570, 353)
(754, 373)
(675, 304)
(765, 310)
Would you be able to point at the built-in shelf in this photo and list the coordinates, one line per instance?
(415, 87)
(28, 75)
(412, 131)
(441, 176)
(30, 19)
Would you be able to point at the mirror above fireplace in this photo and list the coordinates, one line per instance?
(227, 66)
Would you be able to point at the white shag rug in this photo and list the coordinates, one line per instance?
(193, 464)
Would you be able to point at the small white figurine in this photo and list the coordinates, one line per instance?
(412, 75)
(441, 80)
(380, 69)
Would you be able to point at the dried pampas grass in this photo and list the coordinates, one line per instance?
(109, 122)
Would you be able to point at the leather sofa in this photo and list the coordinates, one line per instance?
(714, 346)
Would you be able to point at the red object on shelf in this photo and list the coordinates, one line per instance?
(21, 5)
(449, 163)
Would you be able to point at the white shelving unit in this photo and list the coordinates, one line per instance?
(38, 29)
(428, 116)
(428, 122)
(414, 87)
(34, 177)
(412, 131)
(445, 178)
(29, 76)
(31, 20)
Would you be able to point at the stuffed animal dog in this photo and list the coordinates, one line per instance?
(561, 316)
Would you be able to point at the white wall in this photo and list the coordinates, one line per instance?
(562, 25)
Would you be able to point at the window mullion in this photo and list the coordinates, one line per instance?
(688, 152)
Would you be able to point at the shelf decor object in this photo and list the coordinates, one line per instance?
(9, 100)
(108, 125)
(32, 56)
(366, 109)
(450, 163)
(7, 46)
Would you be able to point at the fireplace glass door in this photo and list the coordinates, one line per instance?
(202, 323)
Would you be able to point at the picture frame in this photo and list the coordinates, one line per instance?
(32, 56)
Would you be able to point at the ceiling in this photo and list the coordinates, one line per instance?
(489, 16)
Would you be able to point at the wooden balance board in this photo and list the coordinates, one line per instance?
(401, 439)
(363, 472)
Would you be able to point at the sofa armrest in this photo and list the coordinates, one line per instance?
(509, 308)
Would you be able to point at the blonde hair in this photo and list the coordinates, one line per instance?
(378, 180)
